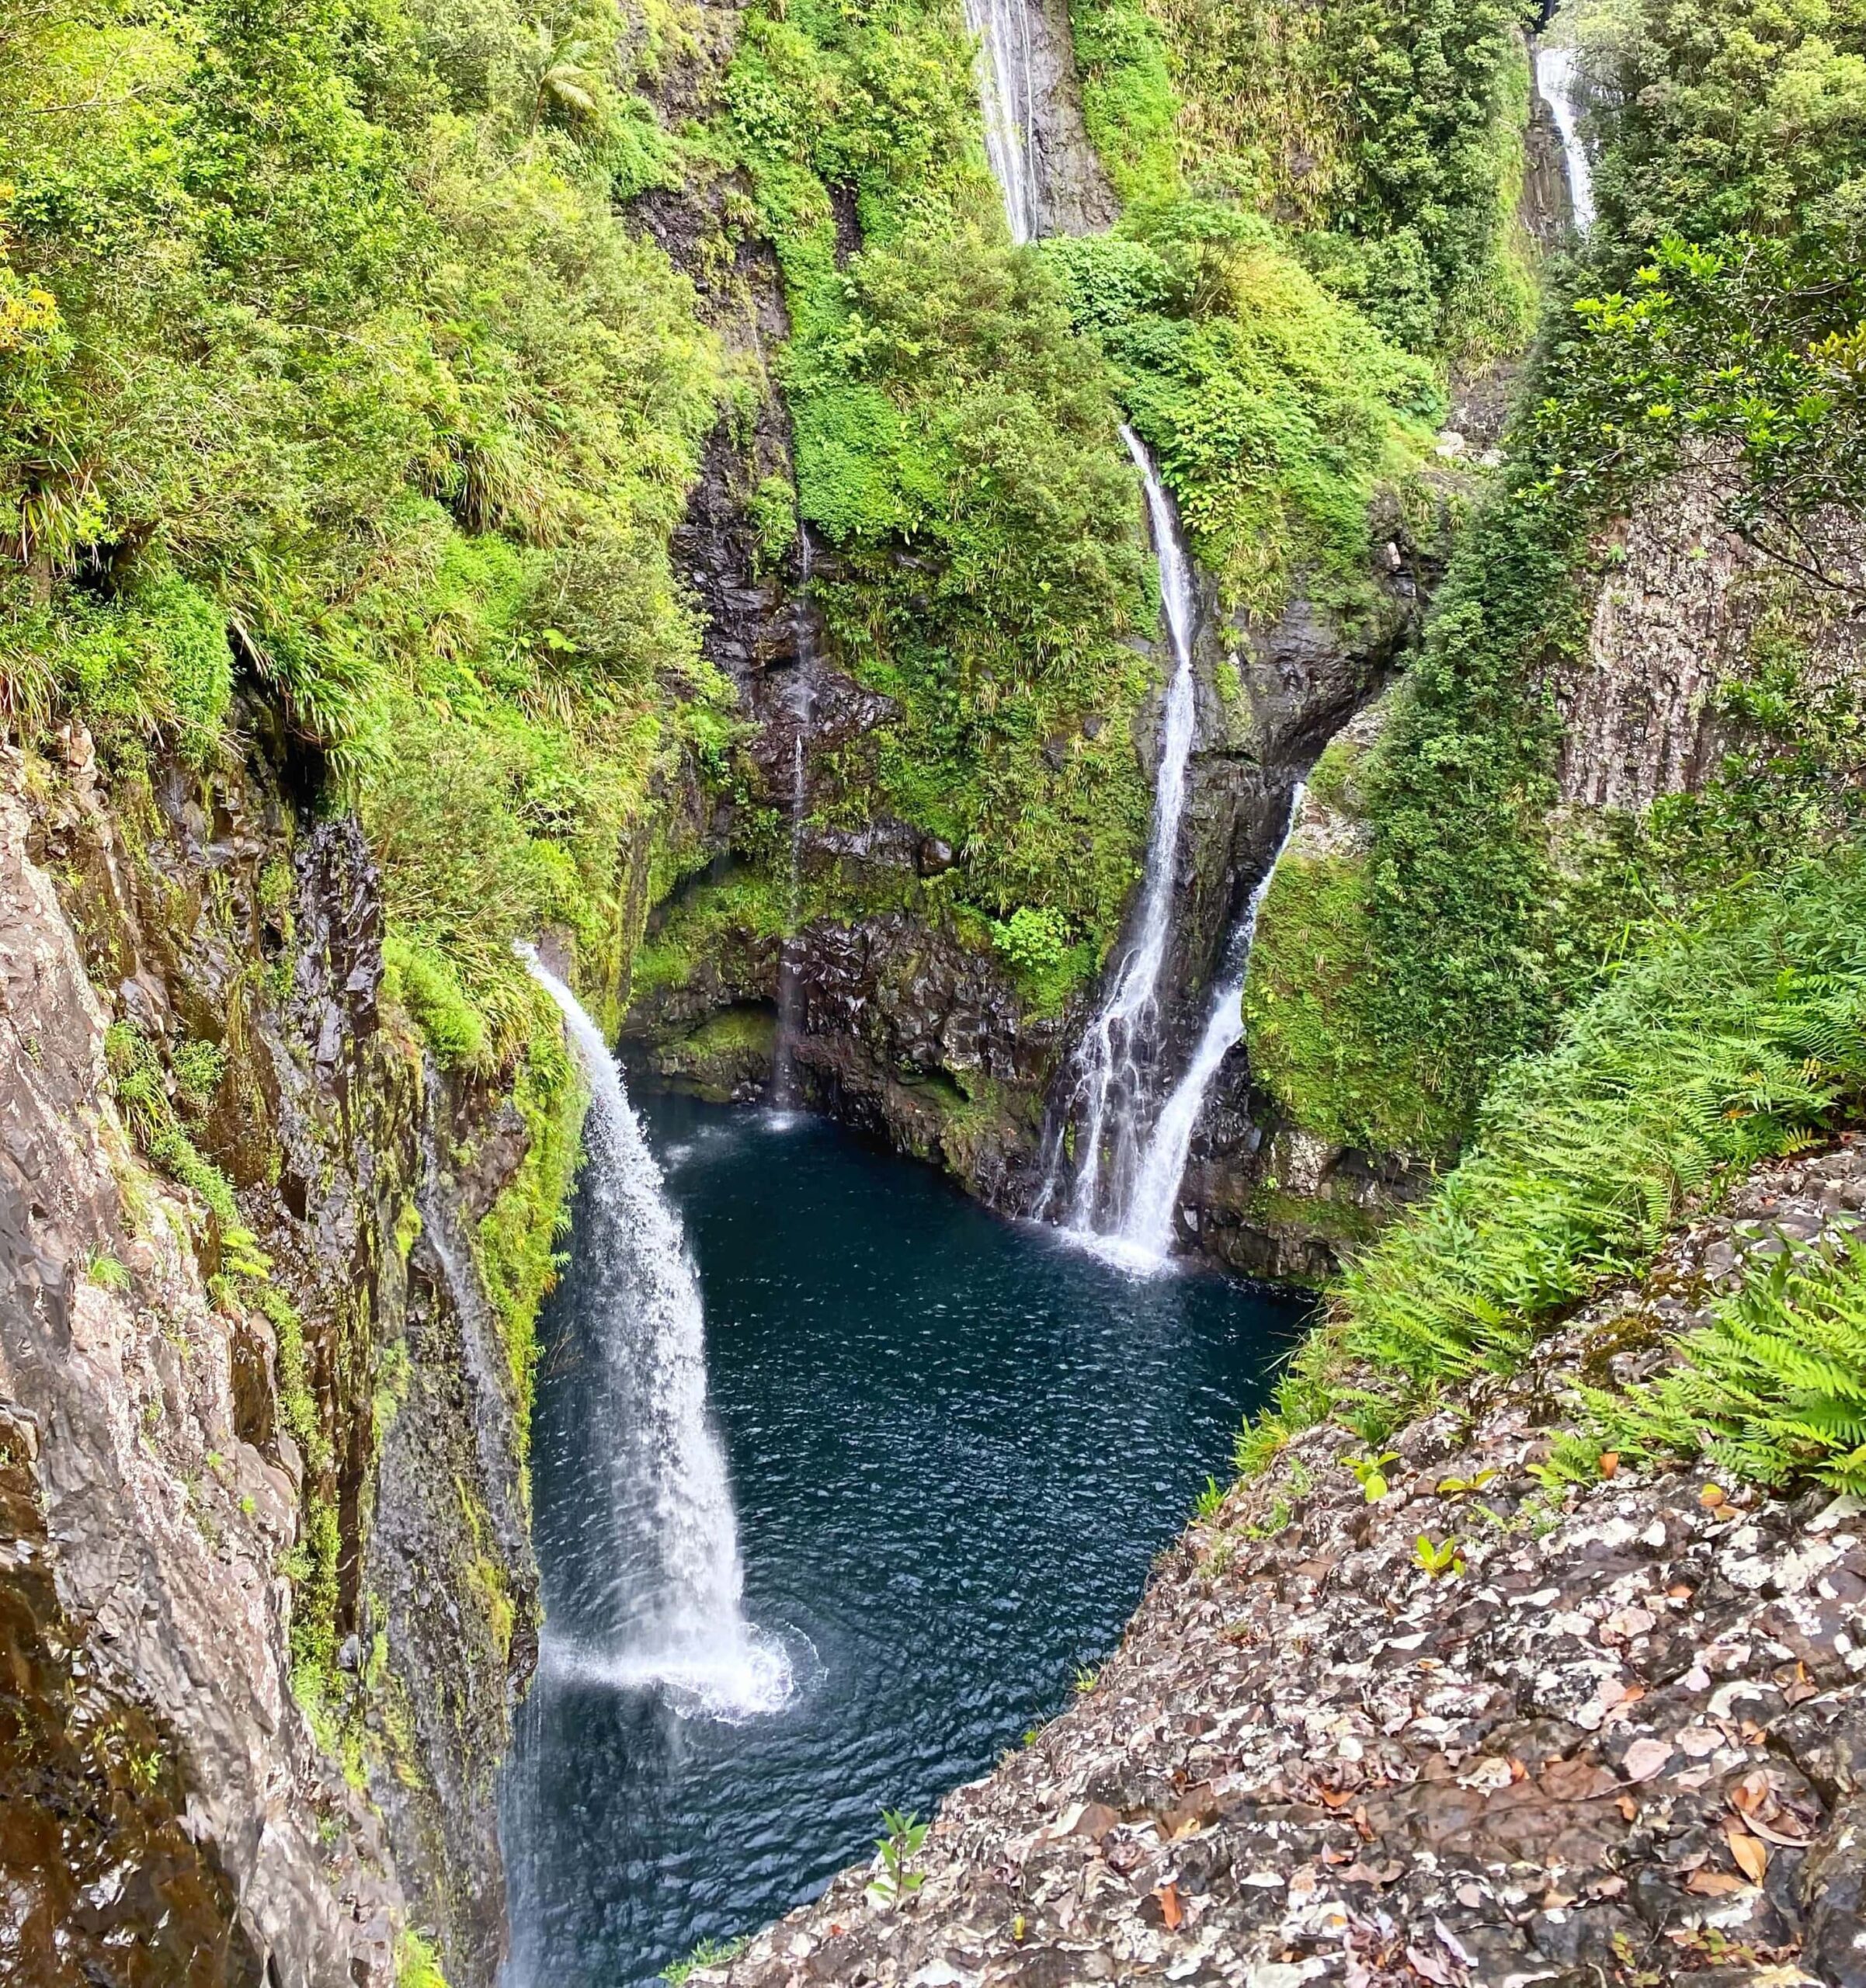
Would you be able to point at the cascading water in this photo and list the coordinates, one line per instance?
(1113, 1064)
(1147, 1232)
(674, 1622)
(1555, 71)
(1007, 100)
(801, 700)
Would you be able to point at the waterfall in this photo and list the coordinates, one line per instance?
(783, 1085)
(1007, 100)
(1555, 71)
(674, 1623)
(1112, 1061)
(1147, 1230)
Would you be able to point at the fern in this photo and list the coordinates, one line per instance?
(1738, 1042)
(1774, 1388)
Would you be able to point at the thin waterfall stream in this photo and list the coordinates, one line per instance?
(1556, 70)
(1005, 79)
(1147, 1229)
(800, 696)
(1113, 1067)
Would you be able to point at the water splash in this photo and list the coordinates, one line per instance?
(1113, 1065)
(672, 1601)
(1556, 72)
(1146, 1235)
(1007, 100)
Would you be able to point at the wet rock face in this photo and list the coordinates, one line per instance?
(1271, 697)
(172, 1475)
(1073, 190)
(1624, 1744)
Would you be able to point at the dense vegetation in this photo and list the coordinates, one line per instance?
(1385, 134)
(329, 373)
(1617, 1013)
(1474, 918)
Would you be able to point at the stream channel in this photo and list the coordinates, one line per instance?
(955, 1443)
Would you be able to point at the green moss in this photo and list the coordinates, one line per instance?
(519, 1236)
(416, 1964)
(1316, 1043)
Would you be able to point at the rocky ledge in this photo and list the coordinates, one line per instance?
(1625, 1744)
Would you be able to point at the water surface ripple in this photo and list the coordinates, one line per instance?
(955, 1443)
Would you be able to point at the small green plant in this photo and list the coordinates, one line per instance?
(1572, 1459)
(898, 1846)
(1369, 1473)
(105, 1270)
(1085, 1679)
(708, 1953)
(1437, 1561)
(1207, 1504)
(1459, 1487)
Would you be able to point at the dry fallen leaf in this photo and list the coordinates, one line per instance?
(1711, 1496)
(1628, 1807)
(1713, 1883)
(1170, 1909)
(1751, 1853)
(1609, 1462)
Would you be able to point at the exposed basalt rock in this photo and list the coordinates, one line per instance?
(1625, 1744)
(216, 925)
(1683, 600)
(152, 1713)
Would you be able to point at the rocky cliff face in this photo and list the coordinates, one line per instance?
(261, 1451)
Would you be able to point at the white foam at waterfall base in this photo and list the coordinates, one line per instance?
(1146, 1235)
(1111, 1063)
(1555, 72)
(673, 1600)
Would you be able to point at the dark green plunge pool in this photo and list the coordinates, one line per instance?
(955, 1443)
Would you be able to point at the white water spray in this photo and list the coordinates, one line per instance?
(1146, 1233)
(675, 1623)
(1555, 72)
(1007, 100)
(1112, 1062)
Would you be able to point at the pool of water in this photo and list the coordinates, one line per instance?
(955, 1443)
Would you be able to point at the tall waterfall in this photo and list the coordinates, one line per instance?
(1555, 69)
(1148, 1231)
(1007, 98)
(674, 1620)
(1113, 1063)
(801, 699)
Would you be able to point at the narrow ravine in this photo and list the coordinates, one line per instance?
(956, 1443)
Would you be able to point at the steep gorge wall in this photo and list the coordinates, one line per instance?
(265, 1455)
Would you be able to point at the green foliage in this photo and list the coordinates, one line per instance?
(1128, 102)
(1387, 132)
(898, 1848)
(1370, 1473)
(520, 1234)
(1717, 117)
(708, 1953)
(1774, 1388)
(1272, 408)
(1210, 1500)
(1438, 1559)
(328, 365)
(417, 1965)
(1739, 1041)
(955, 444)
